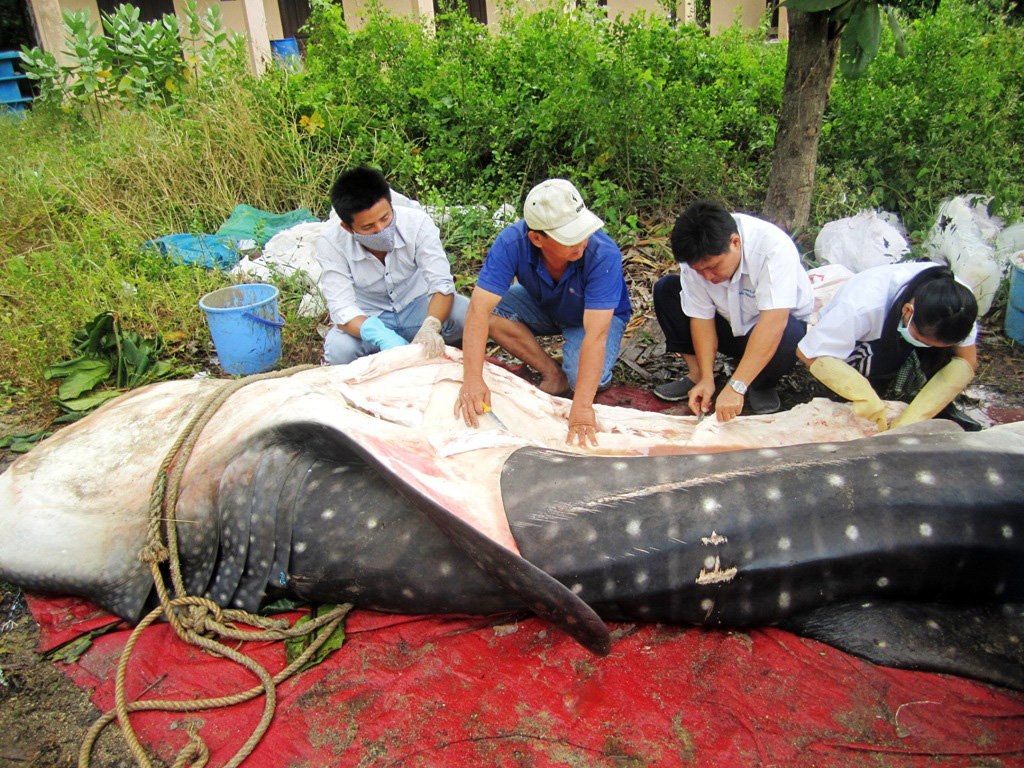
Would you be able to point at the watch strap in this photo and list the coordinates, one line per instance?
(738, 386)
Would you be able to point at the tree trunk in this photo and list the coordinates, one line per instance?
(810, 67)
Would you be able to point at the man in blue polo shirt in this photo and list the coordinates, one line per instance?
(570, 282)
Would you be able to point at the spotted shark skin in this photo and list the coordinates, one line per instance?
(904, 549)
(856, 535)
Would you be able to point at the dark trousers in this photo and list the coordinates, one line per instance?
(678, 338)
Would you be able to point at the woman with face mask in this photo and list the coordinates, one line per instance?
(877, 320)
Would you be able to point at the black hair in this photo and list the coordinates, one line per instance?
(703, 230)
(944, 310)
(356, 190)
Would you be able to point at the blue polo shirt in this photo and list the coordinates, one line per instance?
(593, 282)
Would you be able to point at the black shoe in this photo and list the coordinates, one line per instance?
(764, 401)
(674, 391)
(954, 414)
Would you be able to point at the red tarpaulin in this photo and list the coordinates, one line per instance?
(455, 691)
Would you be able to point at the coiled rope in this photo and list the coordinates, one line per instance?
(197, 620)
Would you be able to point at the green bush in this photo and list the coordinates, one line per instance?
(947, 119)
(654, 111)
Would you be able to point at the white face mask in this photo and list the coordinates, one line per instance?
(905, 332)
(378, 241)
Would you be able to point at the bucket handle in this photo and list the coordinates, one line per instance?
(262, 321)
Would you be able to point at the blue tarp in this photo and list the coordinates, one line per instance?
(210, 251)
(221, 251)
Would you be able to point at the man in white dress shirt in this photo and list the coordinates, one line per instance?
(386, 278)
(742, 291)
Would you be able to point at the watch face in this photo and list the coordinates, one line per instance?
(739, 386)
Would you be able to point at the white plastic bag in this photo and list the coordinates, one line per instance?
(869, 239)
(963, 237)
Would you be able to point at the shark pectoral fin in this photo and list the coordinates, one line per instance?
(979, 641)
(540, 593)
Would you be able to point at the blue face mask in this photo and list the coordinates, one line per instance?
(905, 332)
(378, 241)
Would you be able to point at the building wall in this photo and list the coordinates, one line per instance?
(233, 13)
(238, 15)
(260, 20)
(749, 12)
(425, 8)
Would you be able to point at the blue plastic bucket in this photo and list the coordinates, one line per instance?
(245, 327)
(286, 52)
(1014, 323)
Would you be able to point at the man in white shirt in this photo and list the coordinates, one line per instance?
(741, 291)
(386, 278)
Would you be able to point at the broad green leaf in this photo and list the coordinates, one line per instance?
(91, 337)
(25, 438)
(844, 11)
(869, 30)
(85, 375)
(862, 38)
(71, 651)
(69, 418)
(60, 370)
(281, 605)
(295, 646)
(902, 49)
(91, 400)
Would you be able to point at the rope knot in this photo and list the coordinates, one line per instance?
(154, 552)
(204, 617)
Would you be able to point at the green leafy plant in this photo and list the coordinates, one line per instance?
(23, 442)
(943, 120)
(132, 61)
(295, 646)
(107, 354)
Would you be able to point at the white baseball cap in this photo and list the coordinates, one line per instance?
(556, 208)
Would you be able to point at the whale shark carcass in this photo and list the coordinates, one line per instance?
(357, 483)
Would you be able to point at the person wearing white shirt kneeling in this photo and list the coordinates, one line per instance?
(386, 278)
(742, 291)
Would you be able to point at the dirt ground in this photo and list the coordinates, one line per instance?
(44, 716)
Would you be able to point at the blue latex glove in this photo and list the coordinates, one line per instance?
(375, 332)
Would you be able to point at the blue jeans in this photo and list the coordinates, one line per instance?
(340, 348)
(519, 306)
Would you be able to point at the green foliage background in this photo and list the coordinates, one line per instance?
(641, 115)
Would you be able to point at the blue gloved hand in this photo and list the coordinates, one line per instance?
(375, 332)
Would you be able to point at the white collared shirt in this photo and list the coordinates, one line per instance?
(770, 276)
(354, 281)
(858, 310)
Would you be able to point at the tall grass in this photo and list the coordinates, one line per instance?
(82, 196)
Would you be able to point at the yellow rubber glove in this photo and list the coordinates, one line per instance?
(939, 392)
(844, 380)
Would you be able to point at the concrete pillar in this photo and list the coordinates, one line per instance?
(257, 37)
(50, 27)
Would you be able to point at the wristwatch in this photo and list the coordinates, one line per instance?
(738, 386)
